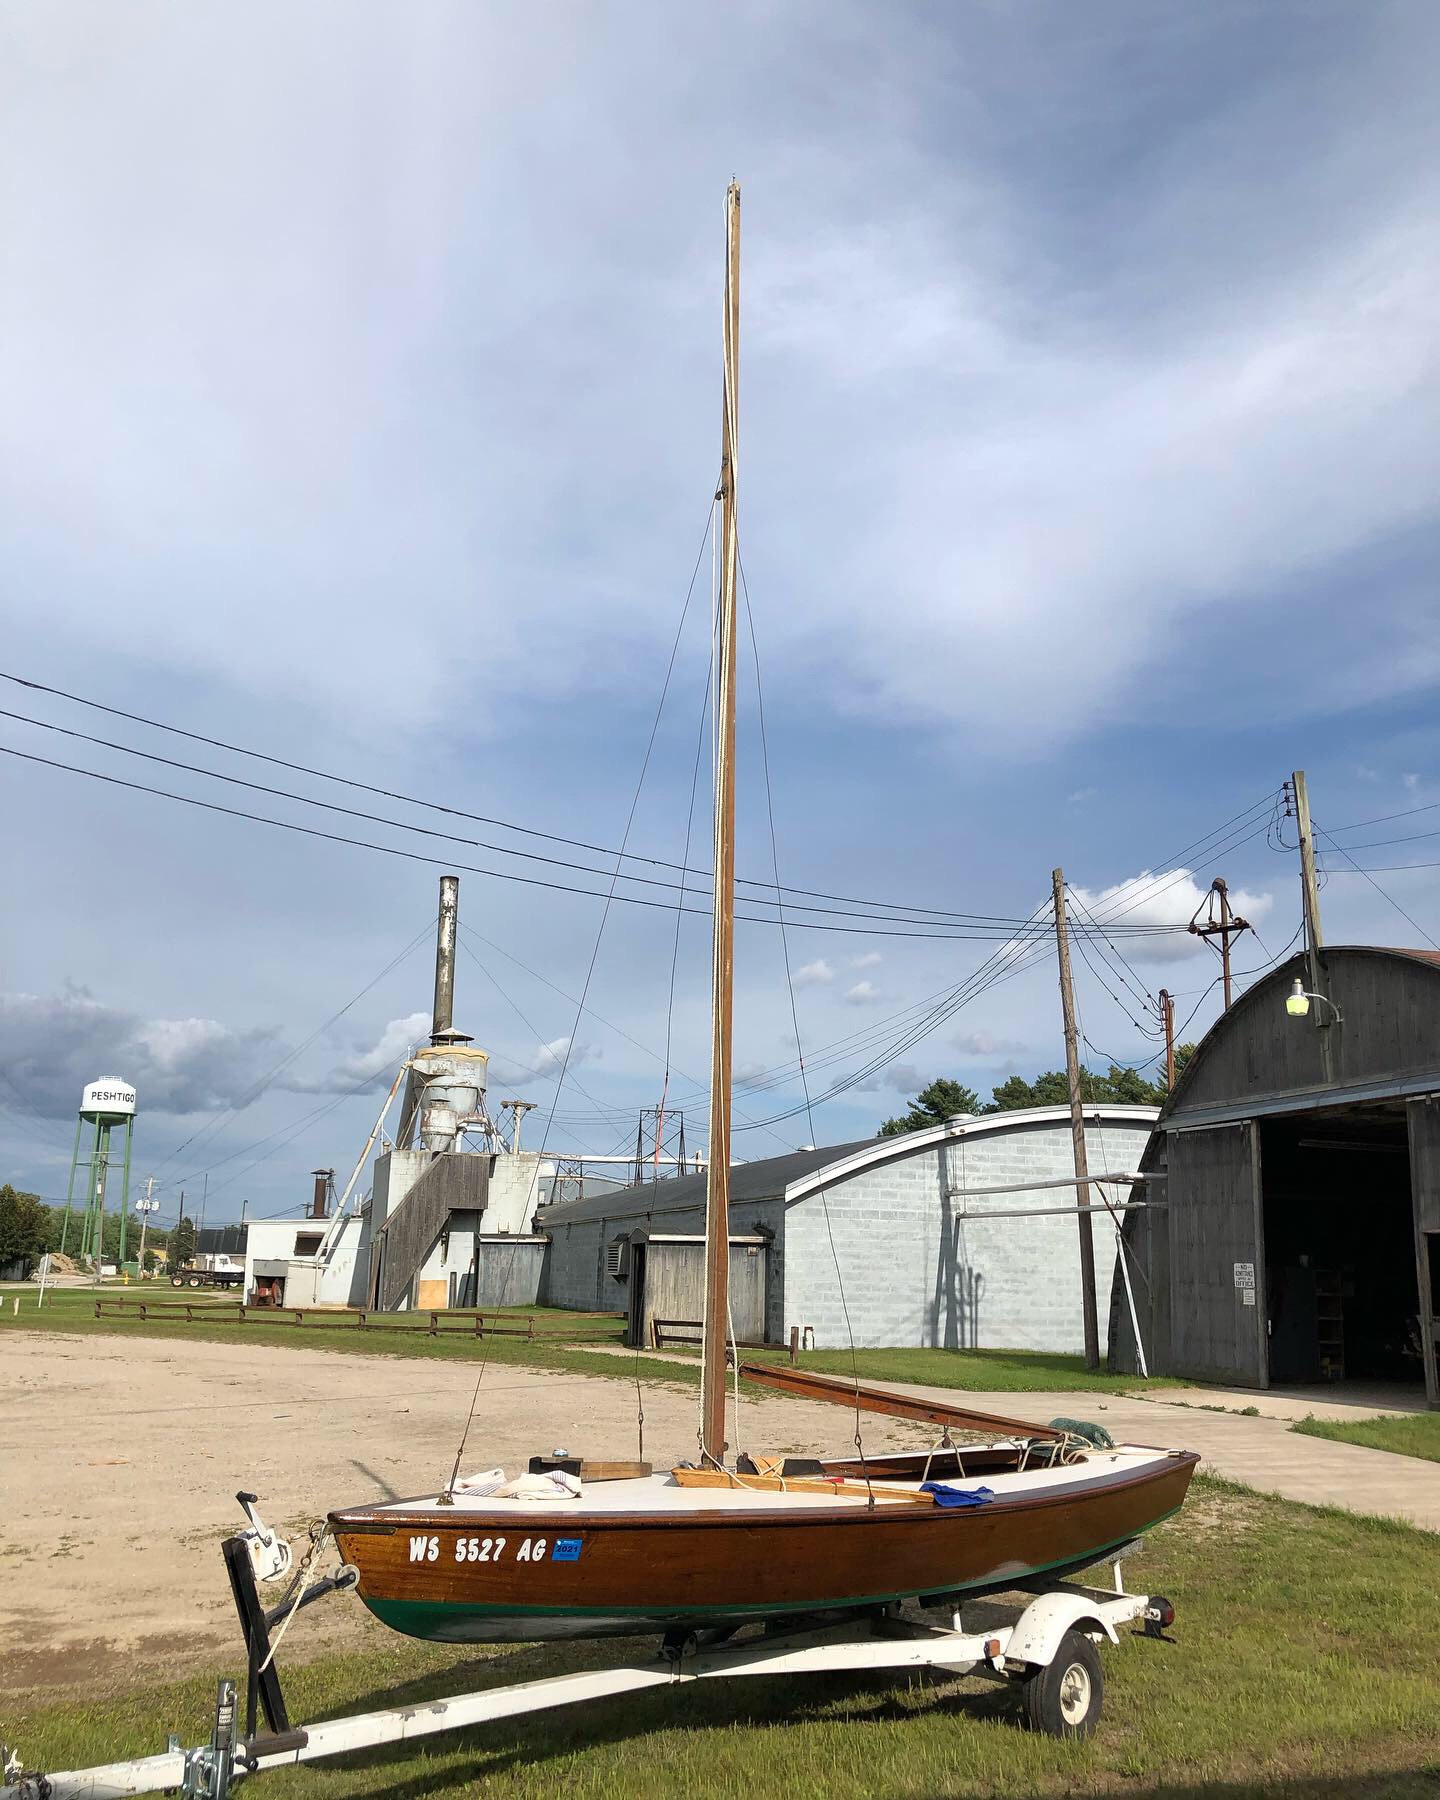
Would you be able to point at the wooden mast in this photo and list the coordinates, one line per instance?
(717, 1188)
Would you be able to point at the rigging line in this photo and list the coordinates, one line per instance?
(434, 806)
(858, 1439)
(595, 950)
(629, 824)
(600, 1019)
(876, 927)
(253, 1094)
(689, 832)
(1377, 887)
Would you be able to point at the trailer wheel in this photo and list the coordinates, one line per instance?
(195, 1281)
(177, 1281)
(1064, 1697)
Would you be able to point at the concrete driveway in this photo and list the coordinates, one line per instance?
(1263, 1452)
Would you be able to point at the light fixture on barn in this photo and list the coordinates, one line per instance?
(1297, 1003)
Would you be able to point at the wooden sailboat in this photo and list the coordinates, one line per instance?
(720, 1545)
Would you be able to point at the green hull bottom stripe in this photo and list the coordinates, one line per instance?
(452, 1621)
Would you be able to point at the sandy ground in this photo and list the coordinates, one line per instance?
(122, 1458)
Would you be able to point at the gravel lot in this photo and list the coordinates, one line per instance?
(122, 1459)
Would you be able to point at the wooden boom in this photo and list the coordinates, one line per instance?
(810, 1386)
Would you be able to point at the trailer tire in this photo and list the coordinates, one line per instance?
(194, 1281)
(177, 1281)
(1063, 1698)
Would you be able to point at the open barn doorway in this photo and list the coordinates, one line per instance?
(1342, 1292)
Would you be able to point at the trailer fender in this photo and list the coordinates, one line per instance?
(1044, 1622)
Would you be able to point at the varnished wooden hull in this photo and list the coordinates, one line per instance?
(575, 1573)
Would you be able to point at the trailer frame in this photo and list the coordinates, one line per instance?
(1055, 1625)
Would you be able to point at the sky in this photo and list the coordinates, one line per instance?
(359, 406)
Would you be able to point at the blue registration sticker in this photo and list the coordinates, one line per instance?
(566, 1550)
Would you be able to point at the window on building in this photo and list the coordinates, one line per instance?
(307, 1243)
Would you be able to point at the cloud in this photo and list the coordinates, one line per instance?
(871, 959)
(814, 974)
(52, 1045)
(544, 1063)
(373, 1062)
(1170, 898)
(864, 993)
(985, 1044)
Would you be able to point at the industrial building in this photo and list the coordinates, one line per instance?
(962, 1236)
(446, 1222)
(1288, 1229)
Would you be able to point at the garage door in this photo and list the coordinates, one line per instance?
(1217, 1255)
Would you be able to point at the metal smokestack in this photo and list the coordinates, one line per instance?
(319, 1205)
(443, 1012)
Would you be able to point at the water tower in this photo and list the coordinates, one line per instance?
(104, 1105)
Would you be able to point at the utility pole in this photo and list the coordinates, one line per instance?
(519, 1108)
(1077, 1130)
(145, 1207)
(1167, 1013)
(1222, 927)
(1310, 887)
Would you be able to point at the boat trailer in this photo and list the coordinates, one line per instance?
(1049, 1650)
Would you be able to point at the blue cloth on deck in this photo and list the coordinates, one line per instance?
(953, 1496)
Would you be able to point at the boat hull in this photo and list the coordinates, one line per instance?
(466, 1577)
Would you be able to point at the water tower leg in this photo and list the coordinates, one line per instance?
(70, 1190)
(92, 1193)
(125, 1184)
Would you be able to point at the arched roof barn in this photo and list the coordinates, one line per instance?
(1290, 1221)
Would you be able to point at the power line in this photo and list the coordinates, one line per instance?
(223, 1116)
(1385, 818)
(1377, 887)
(683, 869)
(877, 925)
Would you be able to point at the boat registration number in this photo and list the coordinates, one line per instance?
(494, 1549)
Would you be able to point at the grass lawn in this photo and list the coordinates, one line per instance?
(73, 1309)
(1010, 1371)
(999, 1371)
(1305, 1665)
(1408, 1434)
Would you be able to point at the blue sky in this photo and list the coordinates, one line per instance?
(360, 376)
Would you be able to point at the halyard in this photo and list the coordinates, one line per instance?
(1305, 1662)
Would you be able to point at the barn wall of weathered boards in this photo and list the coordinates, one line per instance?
(1288, 1230)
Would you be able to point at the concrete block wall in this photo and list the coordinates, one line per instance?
(919, 1268)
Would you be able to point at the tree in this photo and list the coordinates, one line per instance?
(933, 1105)
(1183, 1053)
(943, 1098)
(182, 1245)
(23, 1223)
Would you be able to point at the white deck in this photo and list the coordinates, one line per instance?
(660, 1493)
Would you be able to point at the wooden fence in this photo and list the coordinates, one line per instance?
(597, 1328)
